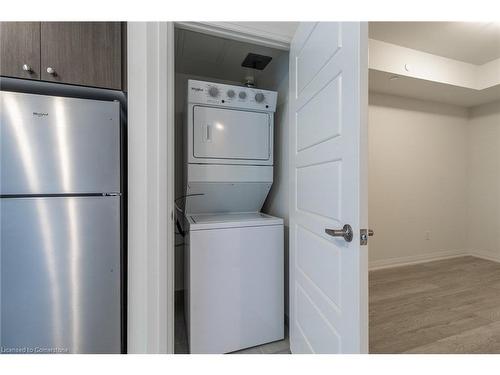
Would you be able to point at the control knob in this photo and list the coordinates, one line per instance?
(230, 94)
(259, 97)
(213, 91)
(242, 94)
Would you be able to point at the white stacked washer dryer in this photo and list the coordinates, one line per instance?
(233, 252)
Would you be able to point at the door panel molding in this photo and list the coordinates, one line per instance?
(328, 177)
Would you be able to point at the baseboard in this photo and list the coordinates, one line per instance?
(415, 259)
(485, 254)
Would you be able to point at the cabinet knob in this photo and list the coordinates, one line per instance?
(51, 71)
(27, 68)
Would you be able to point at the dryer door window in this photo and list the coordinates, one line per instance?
(231, 134)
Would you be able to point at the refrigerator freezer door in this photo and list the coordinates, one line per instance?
(60, 275)
(56, 145)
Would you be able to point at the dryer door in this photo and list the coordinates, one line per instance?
(227, 134)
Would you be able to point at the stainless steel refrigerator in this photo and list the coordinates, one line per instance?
(60, 230)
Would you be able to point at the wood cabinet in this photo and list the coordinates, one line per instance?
(82, 53)
(79, 53)
(20, 47)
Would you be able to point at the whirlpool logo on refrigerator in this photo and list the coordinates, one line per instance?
(40, 114)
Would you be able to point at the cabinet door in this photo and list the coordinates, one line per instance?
(82, 53)
(20, 45)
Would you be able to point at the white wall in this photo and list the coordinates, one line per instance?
(483, 219)
(417, 179)
(277, 201)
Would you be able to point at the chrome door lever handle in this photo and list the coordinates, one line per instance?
(346, 232)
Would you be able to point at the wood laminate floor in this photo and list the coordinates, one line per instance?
(446, 306)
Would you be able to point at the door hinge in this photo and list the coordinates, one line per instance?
(363, 236)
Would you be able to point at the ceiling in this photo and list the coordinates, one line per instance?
(381, 82)
(205, 55)
(471, 42)
(209, 56)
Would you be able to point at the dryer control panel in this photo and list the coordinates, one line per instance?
(201, 92)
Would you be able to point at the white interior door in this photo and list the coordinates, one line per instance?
(328, 160)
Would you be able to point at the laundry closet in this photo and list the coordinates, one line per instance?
(231, 176)
(428, 125)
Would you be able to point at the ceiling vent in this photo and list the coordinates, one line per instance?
(255, 61)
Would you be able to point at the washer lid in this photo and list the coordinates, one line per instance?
(231, 220)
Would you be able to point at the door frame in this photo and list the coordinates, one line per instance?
(150, 76)
(151, 88)
(363, 179)
(240, 31)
